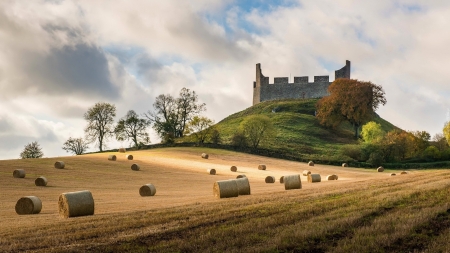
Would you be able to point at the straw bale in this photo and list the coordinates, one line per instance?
(226, 189)
(314, 178)
(331, 177)
(205, 156)
(73, 204)
(41, 181)
(129, 157)
(403, 173)
(270, 179)
(240, 176)
(122, 150)
(310, 163)
(261, 167)
(336, 176)
(282, 180)
(112, 157)
(306, 172)
(135, 167)
(292, 182)
(19, 173)
(28, 205)
(211, 171)
(393, 174)
(233, 168)
(344, 165)
(59, 165)
(380, 169)
(147, 190)
(243, 186)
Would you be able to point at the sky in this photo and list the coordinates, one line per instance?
(60, 57)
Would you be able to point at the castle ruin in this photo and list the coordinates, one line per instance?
(300, 88)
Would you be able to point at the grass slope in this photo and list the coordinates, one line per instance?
(298, 131)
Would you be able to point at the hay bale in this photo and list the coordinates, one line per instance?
(306, 172)
(270, 179)
(205, 156)
(59, 165)
(240, 176)
(282, 180)
(147, 190)
(331, 177)
(73, 204)
(380, 169)
(261, 167)
(403, 173)
(211, 171)
(243, 186)
(344, 165)
(336, 176)
(393, 174)
(310, 163)
(40, 181)
(122, 150)
(112, 157)
(292, 182)
(129, 157)
(314, 178)
(28, 205)
(226, 189)
(233, 168)
(135, 167)
(19, 173)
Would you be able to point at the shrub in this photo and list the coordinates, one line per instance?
(352, 151)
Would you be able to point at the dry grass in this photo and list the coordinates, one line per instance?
(364, 211)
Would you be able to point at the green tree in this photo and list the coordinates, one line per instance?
(215, 135)
(257, 128)
(200, 127)
(431, 152)
(372, 132)
(440, 142)
(32, 150)
(446, 131)
(100, 120)
(75, 145)
(132, 127)
(350, 100)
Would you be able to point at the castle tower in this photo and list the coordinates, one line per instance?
(261, 80)
(344, 72)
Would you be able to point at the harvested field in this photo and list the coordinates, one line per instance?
(401, 209)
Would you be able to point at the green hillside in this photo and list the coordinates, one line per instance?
(298, 131)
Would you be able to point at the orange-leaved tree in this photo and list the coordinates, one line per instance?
(350, 100)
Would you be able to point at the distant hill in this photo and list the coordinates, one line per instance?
(298, 130)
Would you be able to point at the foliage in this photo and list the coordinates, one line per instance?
(215, 135)
(372, 132)
(239, 139)
(100, 120)
(431, 152)
(75, 145)
(446, 131)
(353, 151)
(200, 127)
(257, 128)
(440, 142)
(171, 115)
(132, 127)
(32, 150)
(421, 141)
(350, 100)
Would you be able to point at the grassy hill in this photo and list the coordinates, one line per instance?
(298, 131)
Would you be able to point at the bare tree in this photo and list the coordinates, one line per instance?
(100, 119)
(75, 145)
(32, 150)
(132, 127)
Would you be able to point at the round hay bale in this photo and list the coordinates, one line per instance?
(205, 156)
(310, 163)
(306, 172)
(122, 150)
(147, 190)
(112, 157)
(59, 165)
(28, 205)
(403, 173)
(380, 169)
(270, 179)
(135, 167)
(393, 174)
(243, 186)
(335, 176)
(331, 177)
(344, 165)
(314, 178)
(73, 204)
(211, 171)
(292, 182)
(226, 189)
(19, 173)
(240, 176)
(129, 157)
(261, 167)
(233, 168)
(282, 180)
(40, 181)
